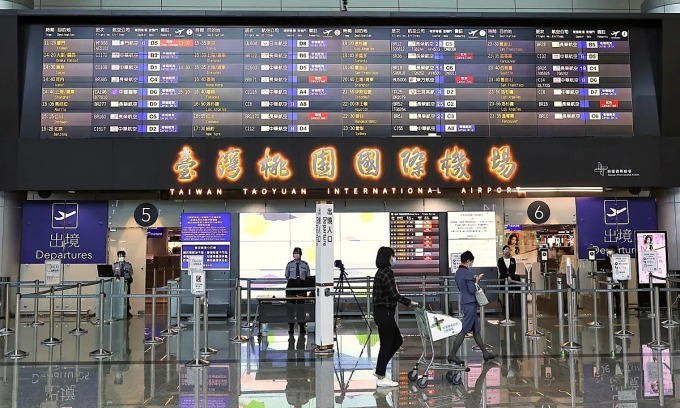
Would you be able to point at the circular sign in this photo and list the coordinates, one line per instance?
(146, 214)
(538, 212)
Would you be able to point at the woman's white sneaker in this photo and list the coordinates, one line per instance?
(385, 382)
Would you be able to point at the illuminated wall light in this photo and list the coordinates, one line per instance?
(229, 165)
(186, 165)
(323, 163)
(274, 166)
(368, 163)
(412, 162)
(453, 165)
(501, 163)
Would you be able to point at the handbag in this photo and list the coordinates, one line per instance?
(481, 296)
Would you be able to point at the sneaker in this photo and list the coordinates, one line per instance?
(386, 382)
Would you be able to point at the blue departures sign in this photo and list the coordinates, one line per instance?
(74, 232)
(610, 221)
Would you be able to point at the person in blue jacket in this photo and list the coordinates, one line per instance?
(466, 282)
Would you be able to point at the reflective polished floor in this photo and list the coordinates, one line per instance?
(279, 370)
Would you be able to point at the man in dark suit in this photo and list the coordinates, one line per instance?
(507, 268)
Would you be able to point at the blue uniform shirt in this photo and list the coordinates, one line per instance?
(465, 280)
(291, 269)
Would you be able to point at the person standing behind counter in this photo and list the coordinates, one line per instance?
(297, 271)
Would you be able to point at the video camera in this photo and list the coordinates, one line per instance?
(338, 264)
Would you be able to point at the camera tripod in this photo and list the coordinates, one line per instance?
(339, 290)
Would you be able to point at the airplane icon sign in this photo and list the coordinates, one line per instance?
(616, 212)
(62, 216)
(65, 215)
(613, 212)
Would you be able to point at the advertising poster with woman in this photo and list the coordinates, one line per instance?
(522, 246)
(651, 255)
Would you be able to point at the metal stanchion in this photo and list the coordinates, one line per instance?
(482, 321)
(368, 298)
(238, 338)
(623, 333)
(422, 287)
(571, 345)
(197, 361)
(446, 296)
(51, 340)
(168, 331)
(669, 322)
(460, 307)
(507, 321)
(523, 306)
(610, 316)
(534, 333)
(178, 326)
(206, 350)
(111, 291)
(657, 344)
(651, 295)
(595, 324)
(101, 319)
(79, 305)
(248, 298)
(153, 339)
(101, 352)
(560, 310)
(16, 353)
(35, 321)
(7, 330)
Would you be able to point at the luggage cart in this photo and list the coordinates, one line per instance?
(434, 327)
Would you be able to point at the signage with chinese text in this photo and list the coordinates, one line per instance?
(602, 222)
(652, 256)
(621, 267)
(207, 236)
(414, 236)
(74, 232)
(52, 271)
(473, 231)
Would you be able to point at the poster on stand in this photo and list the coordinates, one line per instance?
(652, 256)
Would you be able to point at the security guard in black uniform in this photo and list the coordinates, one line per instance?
(123, 269)
(297, 271)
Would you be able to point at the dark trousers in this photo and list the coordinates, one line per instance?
(128, 282)
(390, 336)
(293, 304)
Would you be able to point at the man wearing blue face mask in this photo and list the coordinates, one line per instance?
(385, 298)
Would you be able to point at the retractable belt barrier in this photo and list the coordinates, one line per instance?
(101, 352)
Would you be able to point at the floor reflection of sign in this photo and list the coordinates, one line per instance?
(650, 262)
(621, 267)
(70, 386)
(217, 387)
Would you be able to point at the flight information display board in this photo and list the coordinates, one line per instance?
(414, 236)
(154, 81)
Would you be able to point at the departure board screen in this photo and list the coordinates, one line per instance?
(155, 81)
(414, 236)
